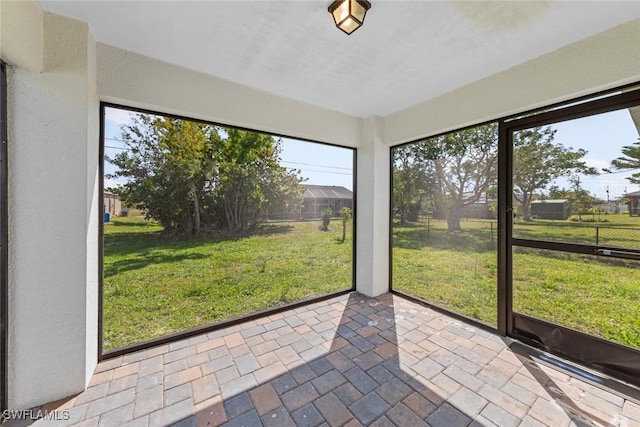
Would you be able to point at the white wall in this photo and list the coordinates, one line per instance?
(135, 80)
(372, 245)
(53, 157)
(92, 210)
(21, 40)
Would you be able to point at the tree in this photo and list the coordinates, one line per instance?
(327, 213)
(413, 179)
(345, 215)
(629, 161)
(580, 199)
(250, 179)
(162, 171)
(538, 161)
(465, 168)
(191, 176)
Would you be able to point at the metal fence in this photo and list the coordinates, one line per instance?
(617, 237)
(478, 231)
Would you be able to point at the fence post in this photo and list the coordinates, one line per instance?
(428, 227)
(491, 232)
(597, 236)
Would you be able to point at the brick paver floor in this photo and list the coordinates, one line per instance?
(347, 361)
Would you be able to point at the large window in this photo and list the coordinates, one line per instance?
(205, 223)
(444, 222)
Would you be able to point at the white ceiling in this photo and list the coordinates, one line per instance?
(406, 52)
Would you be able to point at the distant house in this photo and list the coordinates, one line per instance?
(550, 209)
(634, 203)
(318, 197)
(480, 209)
(483, 208)
(112, 204)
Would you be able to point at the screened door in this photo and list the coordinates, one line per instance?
(572, 239)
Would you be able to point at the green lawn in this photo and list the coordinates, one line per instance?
(458, 270)
(154, 286)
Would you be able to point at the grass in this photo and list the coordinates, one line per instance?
(455, 270)
(154, 286)
(458, 270)
(586, 293)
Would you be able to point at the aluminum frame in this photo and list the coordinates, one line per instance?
(4, 250)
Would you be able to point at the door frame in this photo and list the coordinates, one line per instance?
(598, 353)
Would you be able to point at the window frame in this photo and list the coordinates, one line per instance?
(142, 345)
(4, 239)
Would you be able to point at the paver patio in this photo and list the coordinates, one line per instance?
(347, 361)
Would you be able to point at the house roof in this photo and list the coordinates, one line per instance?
(406, 52)
(327, 192)
(550, 201)
(634, 194)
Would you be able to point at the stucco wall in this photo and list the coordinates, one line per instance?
(53, 156)
(139, 81)
(372, 234)
(21, 39)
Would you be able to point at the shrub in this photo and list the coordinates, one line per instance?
(327, 213)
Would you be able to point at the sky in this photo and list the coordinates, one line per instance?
(602, 136)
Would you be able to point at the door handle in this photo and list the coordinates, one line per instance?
(618, 254)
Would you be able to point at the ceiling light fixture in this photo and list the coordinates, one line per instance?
(349, 14)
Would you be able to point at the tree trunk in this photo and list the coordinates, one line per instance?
(344, 231)
(453, 223)
(526, 204)
(453, 217)
(196, 216)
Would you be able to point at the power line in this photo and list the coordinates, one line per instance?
(115, 139)
(283, 161)
(333, 173)
(321, 166)
(613, 173)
